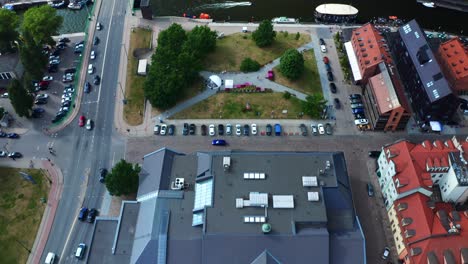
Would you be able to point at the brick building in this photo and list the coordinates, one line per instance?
(453, 57)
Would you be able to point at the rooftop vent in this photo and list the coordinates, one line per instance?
(254, 219)
(422, 55)
(313, 196)
(266, 228)
(309, 181)
(254, 176)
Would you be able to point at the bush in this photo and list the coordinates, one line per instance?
(298, 36)
(287, 95)
(292, 64)
(249, 65)
(285, 34)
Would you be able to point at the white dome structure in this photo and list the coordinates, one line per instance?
(215, 82)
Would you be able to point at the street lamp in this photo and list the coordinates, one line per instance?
(124, 101)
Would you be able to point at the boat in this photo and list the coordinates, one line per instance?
(335, 13)
(284, 20)
(428, 4)
(56, 4)
(75, 6)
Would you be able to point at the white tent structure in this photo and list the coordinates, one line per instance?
(214, 82)
(229, 84)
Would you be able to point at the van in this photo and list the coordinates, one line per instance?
(80, 250)
(90, 69)
(50, 259)
(277, 130)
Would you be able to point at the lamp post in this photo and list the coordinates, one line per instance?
(124, 100)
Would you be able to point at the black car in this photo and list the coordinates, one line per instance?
(374, 154)
(328, 129)
(40, 101)
(246, 130)
(333, 87)
(359, 116)
(12, 135)
(171, 130)
(330, 76)
(2, 134)
(91, 215)
(61, 45)
(192, 128)
(220, 129)
(354, 96)
(56, 52)
(66, 104)
(322, 42)
(355, 101)
(36, 115)
(269, 130)
(96, 40)
(185, 131)
(15, 155)
(203, 130)
(70, 70)
(64, 40)
(38, 110)
(370, 190)
(56, 119)
(303, 129)
(87, 87)
(102, 175)
(52, 68)
(83, 214)
(337, 103)
(97, 80)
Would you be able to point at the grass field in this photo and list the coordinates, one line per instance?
(21, 211)
(309, 82)
(135, 107)
(232, 105)
(232, 49)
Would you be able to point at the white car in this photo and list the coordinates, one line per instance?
(93, 55)
(238, 129)
(323, 48)
(64, 109)
(253, 128)
(163, 130)
(3, 154)
(42, 96)
(48, 78)
(228, 129)
(5, 95)
(211, 130)
(361, 122)
(90, 69)
(98, 26)
(89, 124)
(321, 129)
(80, 250)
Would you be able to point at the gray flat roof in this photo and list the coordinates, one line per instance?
(435, 84)
(103, 239)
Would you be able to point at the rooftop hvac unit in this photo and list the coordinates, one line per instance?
(313, 196)
(309, 181)
(178, 184)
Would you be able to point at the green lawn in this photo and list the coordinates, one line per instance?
(232, 105)
(21, 211)
(135, 107)
(232, 49)
(309, 82)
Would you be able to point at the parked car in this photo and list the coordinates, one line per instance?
(330, 76)
(48, 78)
(81, 121)
(370, 190)
(15, 155)
(354, 96)
(374, 154)
(238, 129)
(87, 87)
(269, 129)
(98, 26)
(359, 116)
(303, 129)
(96, 40)
(333, 87)
(192, 128)
(92, 215)
(218, 142)
(326, 60)
(163, 130)
(3, 134)
(93, 55)
(156, 129)
(80, 250)
(328, 129)
(246, 130)
(90, 69)
(253, 127)
(277, 130)
(102, 175)
(171, 130)
(361, 122)
(337, 103)
(357, 110)
(356, 101)
(42, 96)
(203, 130)
(314, 130)
(212, 130)
(4, 95)
(321, 129)
(220, 129)
(40, 101)
(83, 214)
(70, 70)
(328, 68)
(321, 41)
(12, 135)
(89, 124)
(38, 110)
(185, 129)
(64, 40)
(358, 105)
(3, 154)
(386, 253)
(228, 129)
(97, 80)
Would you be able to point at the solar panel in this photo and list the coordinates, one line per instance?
(203, 194)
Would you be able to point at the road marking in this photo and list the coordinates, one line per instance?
(68, 237)
(90, 102)
(113, 158)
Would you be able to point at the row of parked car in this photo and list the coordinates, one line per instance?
(357, 107)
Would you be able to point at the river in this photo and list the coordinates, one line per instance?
(430, 18)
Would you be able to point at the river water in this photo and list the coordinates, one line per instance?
(257, 10)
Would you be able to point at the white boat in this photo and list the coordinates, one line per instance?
(75, 6)
(284, 20)
(429, 4)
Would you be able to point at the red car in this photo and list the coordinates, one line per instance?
(44, 83)
(82, 121)
(326, 60)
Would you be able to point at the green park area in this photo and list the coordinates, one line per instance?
(232, 49)
(22, 204)
(140, 39)
(234, 105)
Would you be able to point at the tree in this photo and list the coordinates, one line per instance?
(201, 41)
(292, 64)
(314, 105)
(21, 99)
(264, 35)
(249, 65)
(123, 179)
(41, 23)
(8, 25)
(31, 56)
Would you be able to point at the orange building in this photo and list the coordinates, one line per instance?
(453, 57)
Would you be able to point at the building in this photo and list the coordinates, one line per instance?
(421, 185)
(428, 91)
(372, 66)
(453, 57)
(238, 207)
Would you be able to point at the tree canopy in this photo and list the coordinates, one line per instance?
(8, 29)
(176, 62)
(264, 35)
(249, 65)
(292, 64)
(314, 105)
(31, 56)
(123, 179)
(20, 98)
(41, 23)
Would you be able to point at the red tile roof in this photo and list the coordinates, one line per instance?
(454, 53)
